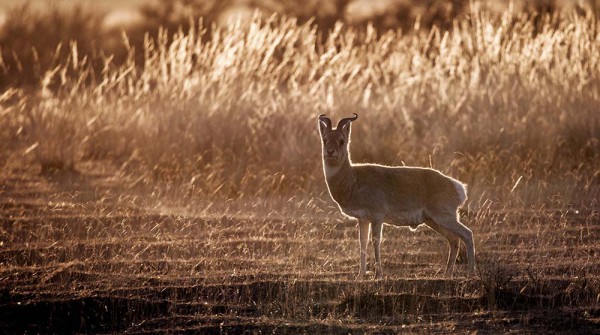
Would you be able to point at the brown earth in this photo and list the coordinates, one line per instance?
(77, 254)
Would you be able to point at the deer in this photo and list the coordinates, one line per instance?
(375, 194)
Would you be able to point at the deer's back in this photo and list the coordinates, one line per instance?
(403, 191)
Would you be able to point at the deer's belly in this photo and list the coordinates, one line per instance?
(399, 218)
(406, 218)
(356, 213)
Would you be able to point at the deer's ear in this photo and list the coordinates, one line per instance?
(322, 128)
(345, 123)
(346, 129)
(324, 124)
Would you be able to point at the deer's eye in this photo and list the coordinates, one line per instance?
(341, 142)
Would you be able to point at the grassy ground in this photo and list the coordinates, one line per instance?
(75, 257)
(186, 193)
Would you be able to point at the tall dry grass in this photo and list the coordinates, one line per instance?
(508, 104)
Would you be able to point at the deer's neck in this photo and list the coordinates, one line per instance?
(341, 180)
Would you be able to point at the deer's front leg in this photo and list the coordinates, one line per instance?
(363, 238)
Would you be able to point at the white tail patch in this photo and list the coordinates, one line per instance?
(461, 189)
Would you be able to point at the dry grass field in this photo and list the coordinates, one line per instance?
(184, 193)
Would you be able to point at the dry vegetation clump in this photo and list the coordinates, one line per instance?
(35, 41)
(492, 101)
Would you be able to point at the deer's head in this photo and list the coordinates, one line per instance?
(335, 141)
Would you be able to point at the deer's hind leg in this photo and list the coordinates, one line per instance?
(450, 222)
(453, 244)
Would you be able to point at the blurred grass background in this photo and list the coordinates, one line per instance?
(185, 95)
(31, 31)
